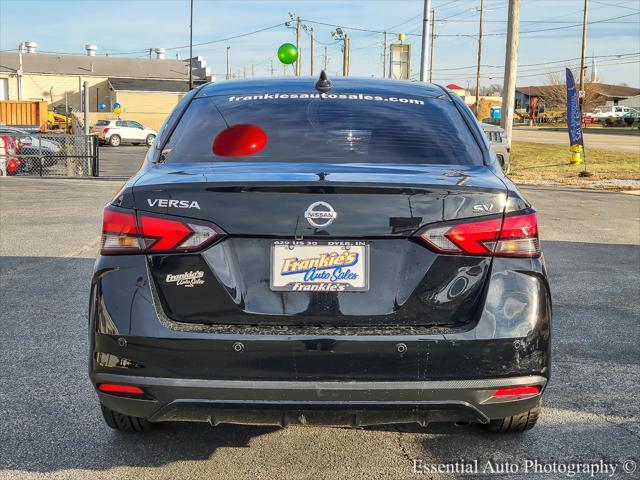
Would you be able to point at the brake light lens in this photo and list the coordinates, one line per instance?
(104, 132)
(513, 236)
(124, 231)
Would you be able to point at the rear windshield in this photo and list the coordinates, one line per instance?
(354, 128)
(102, 123)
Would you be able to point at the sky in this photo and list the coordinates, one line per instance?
(131, 27)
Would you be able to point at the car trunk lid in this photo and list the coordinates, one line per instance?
(378, 208)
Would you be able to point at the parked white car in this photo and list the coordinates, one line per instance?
(118, 131)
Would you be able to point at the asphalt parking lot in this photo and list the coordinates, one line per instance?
(50, 425)
(121, 162)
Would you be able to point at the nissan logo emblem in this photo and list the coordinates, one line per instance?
(320, 214)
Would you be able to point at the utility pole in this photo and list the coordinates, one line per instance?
(312, 49)
(228, 65)
(433, 41)
(85, 106)
(345, 56)
(479, 59)
(340, 35)
(298, 61)
(425, 36)
(584, 48)
(252, 71)
(510, 69)
(324, 63)
(271, 69)
(191, 47)
(244, 72)
(20, 73)
(384, 56)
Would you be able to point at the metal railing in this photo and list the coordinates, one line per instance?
(52, 154)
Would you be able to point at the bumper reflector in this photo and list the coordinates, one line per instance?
(515, 393)
(118, 389)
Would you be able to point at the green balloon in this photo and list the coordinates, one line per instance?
(287, 53)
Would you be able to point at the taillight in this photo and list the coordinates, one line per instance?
(511, 236)
(124, 231)
(104, 132)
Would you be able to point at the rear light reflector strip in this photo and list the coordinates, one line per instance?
(119, 389)
(516, 393)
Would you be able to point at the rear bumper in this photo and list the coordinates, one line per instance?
(337, 375)
(343, 403)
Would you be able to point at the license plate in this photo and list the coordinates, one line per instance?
(314, 266)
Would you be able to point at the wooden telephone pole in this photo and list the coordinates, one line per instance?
(312, 49)
(510, 69)
(228, 65)
(584, 49)
(190, 47)
(384, 56)
(479, 60)
(345, 56)
(425, 34)
(298, 61)
(433, 41)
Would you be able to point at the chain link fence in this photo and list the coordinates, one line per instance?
(50, 154)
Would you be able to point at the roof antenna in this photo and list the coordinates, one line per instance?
(323, 85)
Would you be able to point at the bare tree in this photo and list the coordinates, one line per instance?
(555, 94)
(493, 90)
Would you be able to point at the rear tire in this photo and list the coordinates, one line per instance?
(114, 140)
(125, 423)
(516, 424)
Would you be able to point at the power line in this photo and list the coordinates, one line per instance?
(574, 66)
(493, 34)
(146, 50)
(232, 37)
(615, 5)
(470, 20)
(576, 24)
(620, 55)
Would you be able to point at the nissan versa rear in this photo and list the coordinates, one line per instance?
(302, 252)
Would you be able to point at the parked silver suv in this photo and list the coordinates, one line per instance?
(499, 144)
(118, 131)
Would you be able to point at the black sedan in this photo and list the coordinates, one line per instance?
(345, 253)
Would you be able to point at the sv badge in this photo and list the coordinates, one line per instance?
(483, 208)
